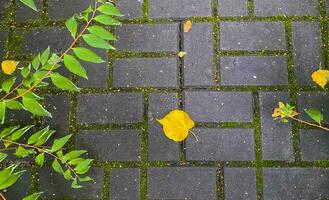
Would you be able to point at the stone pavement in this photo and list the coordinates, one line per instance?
(243, 56)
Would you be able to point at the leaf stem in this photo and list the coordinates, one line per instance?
(2, 196)
(308, 123)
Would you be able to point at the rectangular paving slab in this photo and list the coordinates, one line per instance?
(314, 145)
(125, 183)
(316, 100)
(130, 9)
(181, 183)
(59, 9)
(232, 8)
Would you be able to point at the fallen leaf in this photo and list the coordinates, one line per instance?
(181, 54)
(8, 66)
(187, 26)
(176, 125)
(321, 77)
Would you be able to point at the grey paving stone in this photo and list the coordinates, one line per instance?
(62, 9)
(131, 9)
(24, 13)
(221, 144)
(145, 72)
(295, 183)
(3, 39)
(232, 8)
(4, 8)
(199, 62)
(252, 36)
(286, 7)
(124, 184)
(179, 8)
(254, 70)
(276, 136)
(21, 188)
(212, 106)
(307, 50)
(55, 186)
(18, 116)
(110, 108)
(317, 100)
(59, 107)
(147, 37)
(240, 183)
(314, 145)
(159, 146)
(38, 39)
(181, 183)
(118, 145)
(98, 74)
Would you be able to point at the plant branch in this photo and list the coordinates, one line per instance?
(58, 60)
(2, 196)
(308, 123)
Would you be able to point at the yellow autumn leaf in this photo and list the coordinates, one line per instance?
(8, 66)
(181, 54)
(187, 26)
(321, 77)
(176, 125)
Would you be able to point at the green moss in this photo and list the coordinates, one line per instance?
(250, 7)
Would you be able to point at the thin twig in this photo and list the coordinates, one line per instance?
(310, 124)
(2, 196)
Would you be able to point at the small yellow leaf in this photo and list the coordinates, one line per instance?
(176, 125)
(181, 54)
(321, 77)
(8, 66)
(187, 26)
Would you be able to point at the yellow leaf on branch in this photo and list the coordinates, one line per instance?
(176, 125)
(8, 66)
(321, 77)
(181, 54)
(187, 26)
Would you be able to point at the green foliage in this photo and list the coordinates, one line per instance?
(41, 72)
(314, 114)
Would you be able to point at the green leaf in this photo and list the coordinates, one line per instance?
(7, 84)
(26, 71)
(19, 133)
(63, 82)
(5, 173)
(34, 107)
(67, 175)
(102, 33)
(30, 3)
(14, 105)
(75, 184)
(36, 62)
(36, 136)
(28, 94)
(57, 167)
(73, 154)
(2, 111)
(96, 42)
(72, 25)
(38, 76)
(59, 143)
(33, 196)
(8, 131)
(40, 159)
(314, 114)
(83, 167)
(44, 138)
(110, 9)
(21, 152)
(2, 156)
(9, 181)
(85, 179)
(45, 56)
(73, 65)
(87, 55)
(76, 161)
(107, 20)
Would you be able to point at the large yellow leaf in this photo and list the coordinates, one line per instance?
(321, 77)
(176, 125)
(8, 66)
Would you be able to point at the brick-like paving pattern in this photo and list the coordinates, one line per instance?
(243, 56)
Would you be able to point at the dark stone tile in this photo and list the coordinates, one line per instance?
(147, 37)
(240, 183)
(221, 144)
(286, 7)
(254, 70)
(317, 100)
(159, 146)
(307, 50)
(131, 9)
(124, 183)
(117, 145)
(213, 106)
(276, 136)
(145, 72)
(252, 36)
(110, 108)
(181, 183)
(38, 39)
(24, 13)
(314, 145)
(19, 116)
(55, 186)
(232, 8)
(4, 9)
(199, 61)
(295, 183)
(3, 40)
(179, 8)
(21, 188)
(62, 9)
